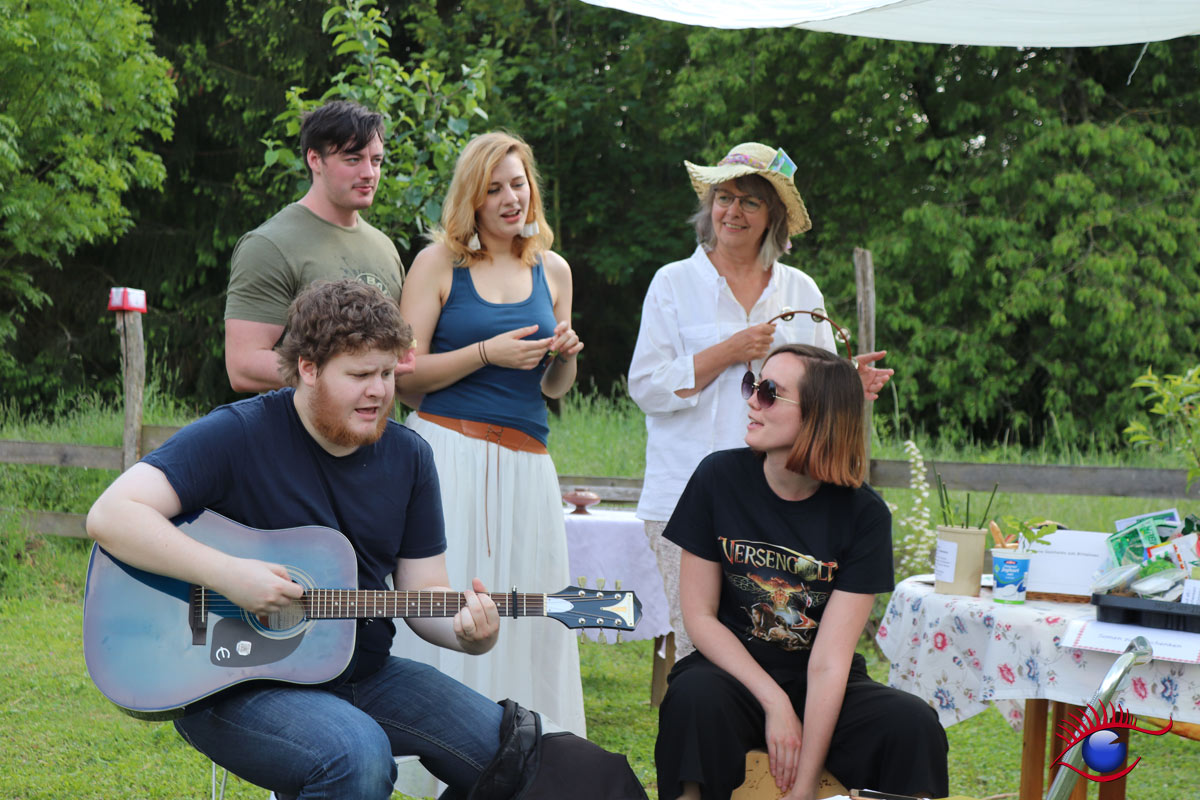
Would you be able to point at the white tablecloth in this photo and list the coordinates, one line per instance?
(612, 545)
(961, 653)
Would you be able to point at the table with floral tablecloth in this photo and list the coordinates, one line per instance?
(962, 653)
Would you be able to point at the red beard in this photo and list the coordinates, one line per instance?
(331, 423)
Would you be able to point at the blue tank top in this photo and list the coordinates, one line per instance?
(500, 395)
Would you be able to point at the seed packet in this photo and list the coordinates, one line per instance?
(1159, 583)
(1185, 550)
(1128, 546)
(1167, 518)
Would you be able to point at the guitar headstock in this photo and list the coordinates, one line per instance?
(578, 607)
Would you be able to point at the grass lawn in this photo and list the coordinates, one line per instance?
(59, 738)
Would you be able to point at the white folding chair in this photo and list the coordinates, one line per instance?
(218, 795)
(1137, 652)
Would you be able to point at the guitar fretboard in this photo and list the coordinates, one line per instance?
(355, 603)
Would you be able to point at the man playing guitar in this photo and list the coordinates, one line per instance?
(321, 452)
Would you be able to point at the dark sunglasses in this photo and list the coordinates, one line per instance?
(767, 391)
(840, 333)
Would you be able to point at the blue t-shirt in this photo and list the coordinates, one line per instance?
(254, 462)
(500, 395)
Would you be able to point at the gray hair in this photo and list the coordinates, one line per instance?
(775, 239)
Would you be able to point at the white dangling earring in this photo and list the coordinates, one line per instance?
(530, 230)
(473, 242)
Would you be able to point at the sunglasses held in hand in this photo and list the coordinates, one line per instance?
(787, 315)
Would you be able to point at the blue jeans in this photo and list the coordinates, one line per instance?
(340, 743)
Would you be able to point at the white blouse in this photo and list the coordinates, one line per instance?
(688, 308)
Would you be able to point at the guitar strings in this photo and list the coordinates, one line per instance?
(338, 603)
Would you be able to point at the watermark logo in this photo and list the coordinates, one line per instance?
(1096, 732)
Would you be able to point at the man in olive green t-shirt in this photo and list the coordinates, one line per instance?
(320, 236)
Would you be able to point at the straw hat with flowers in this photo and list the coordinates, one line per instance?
(752, 158)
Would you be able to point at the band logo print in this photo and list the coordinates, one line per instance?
(764, 555)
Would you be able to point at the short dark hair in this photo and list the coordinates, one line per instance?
(830, 445)
(337, 126)
(334, 317)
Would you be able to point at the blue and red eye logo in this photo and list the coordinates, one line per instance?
(1102, 751)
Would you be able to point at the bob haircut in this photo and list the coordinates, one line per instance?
(338, 126)
(468, 190)
(775, 238)
(829, 446)
(334, 317)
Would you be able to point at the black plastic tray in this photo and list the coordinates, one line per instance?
(1150, 613)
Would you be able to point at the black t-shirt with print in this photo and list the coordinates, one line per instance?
(781, 559)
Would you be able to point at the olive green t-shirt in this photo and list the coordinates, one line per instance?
(274, 262)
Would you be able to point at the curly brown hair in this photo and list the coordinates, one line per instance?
(334, 317)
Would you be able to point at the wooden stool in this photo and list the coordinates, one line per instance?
(661, 667)
(759, 785)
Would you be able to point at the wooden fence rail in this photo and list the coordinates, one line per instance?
(139, 439)
(1013, 478)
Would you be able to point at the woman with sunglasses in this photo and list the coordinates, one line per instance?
(706, 317)
(490, 307)
(784, 549)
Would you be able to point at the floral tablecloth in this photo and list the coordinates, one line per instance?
(962, 653)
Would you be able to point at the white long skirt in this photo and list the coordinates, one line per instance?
(504, 525)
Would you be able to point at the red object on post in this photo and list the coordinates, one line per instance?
(122, 299)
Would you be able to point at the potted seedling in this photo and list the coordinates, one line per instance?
(962, 553)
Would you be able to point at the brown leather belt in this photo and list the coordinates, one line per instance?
(511, 438)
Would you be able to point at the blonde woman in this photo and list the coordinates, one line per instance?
(490, 307)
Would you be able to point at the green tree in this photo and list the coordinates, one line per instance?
(1033, 218)
(81, 92)
(427, 110)
(233, 63)
(587, 88)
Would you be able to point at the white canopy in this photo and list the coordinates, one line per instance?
(1029, 23)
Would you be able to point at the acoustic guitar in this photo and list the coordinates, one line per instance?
(155, 645)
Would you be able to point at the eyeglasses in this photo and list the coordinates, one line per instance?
(750, 204)
(839, 333)
(767, 391)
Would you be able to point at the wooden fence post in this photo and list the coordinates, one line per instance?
(864, 282)
(130, 304)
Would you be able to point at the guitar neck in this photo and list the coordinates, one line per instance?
(356, 603)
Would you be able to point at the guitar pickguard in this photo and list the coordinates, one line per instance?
(236, 644)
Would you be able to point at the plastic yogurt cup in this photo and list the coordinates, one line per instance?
(1009, 570)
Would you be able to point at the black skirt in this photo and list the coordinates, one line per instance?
(885, 739)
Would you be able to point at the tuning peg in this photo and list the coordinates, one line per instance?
(617, 584)
(618, 637)
(582, 580)
(600, 637)
(599, 583)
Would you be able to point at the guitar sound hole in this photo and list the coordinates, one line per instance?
(286, 618)
(288, 621)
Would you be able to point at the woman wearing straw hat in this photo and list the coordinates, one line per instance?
(708, 318)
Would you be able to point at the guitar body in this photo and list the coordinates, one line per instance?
(157, 646)
(152, 652)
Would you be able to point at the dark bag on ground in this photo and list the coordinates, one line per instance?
(531, 765)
